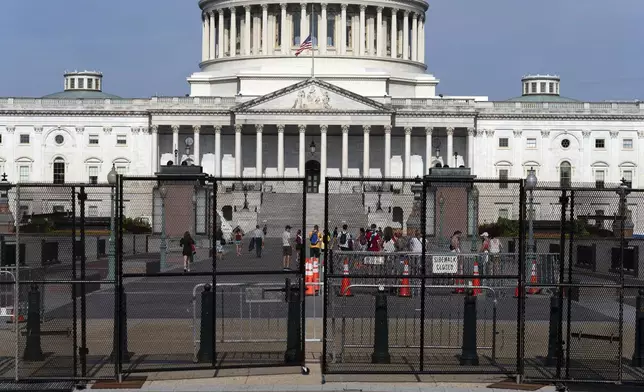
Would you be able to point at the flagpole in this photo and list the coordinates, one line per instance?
(312, 42)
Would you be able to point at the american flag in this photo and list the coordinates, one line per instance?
(304, 46)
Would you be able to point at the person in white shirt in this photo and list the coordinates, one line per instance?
(287, 248)
(495, 250)
(345, 241)
(415, 244)
(258, 238)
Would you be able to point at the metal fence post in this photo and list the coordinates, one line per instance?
(423, 269)
(563, 200)
(328, 269)
(214, 272)
(74, 288)
(521, 283)
(571, 241)
(82, 197)
(623, 192)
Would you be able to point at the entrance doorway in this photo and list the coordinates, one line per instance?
(312, 170)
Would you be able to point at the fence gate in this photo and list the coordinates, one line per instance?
(402, 307)
(228, 305)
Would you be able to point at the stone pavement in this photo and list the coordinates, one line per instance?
(290, 379)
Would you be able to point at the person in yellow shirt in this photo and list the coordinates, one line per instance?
(315, 241)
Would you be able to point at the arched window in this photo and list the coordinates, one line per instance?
(59, 171)
(227, 212)
(565, 174)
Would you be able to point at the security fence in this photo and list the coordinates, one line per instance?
(469, 275)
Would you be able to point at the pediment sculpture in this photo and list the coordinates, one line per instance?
(313, 99)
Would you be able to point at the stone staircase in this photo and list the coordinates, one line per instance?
(279, 210)
(346, 208)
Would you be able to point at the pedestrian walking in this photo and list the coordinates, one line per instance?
(345, 242)
(258, 240)
(188, 250)
(315, 240)
(239, 236)
(455, 242)
(287, 248)
(495, 254)
(299, 245)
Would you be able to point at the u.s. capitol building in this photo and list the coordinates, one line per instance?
(367, 101)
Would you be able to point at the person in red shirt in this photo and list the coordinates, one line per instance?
(373, 239)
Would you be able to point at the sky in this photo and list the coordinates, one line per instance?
(474, 47)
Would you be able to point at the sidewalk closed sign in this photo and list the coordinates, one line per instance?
(444, 264)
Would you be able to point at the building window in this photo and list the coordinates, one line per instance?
(504, 213)
(565, 174)
(551, 88)
(121, 169)
(600, 143)
(503, 176)
(93, 174)
(89, 83)
(543, 87)
(0, 138)
(534, 87)
(330, 40)
(92, 211)
(565, 143)
(93, 140)
(24, 138)
(24, 173)
(526, 88)
(72, 83)
(59, 171)
(627, 175)
(504, 142)
(627, 144)
(296, 28)
(600, 178)
(81, 83)
(98, 84)
(121, 140)
(58, 209)
(1, 168)
(531, 143)
(59, 139)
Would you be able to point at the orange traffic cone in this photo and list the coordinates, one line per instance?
(310, 290)
(477, 281)
(516, 292)
(404, 282)
(345, 290)
(316, 275)
(533, 279)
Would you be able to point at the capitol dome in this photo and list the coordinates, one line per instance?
(375, 49)
(541, 88)
(82, 85)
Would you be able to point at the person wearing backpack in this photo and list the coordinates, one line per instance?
(345, 241)
(362, 240)
(299, 244)
(315, 240)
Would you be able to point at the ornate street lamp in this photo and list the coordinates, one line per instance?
(163, 192)
(530, 184)
(474, 194)
(111, 258)
(245, 207)
(312, 148)
(455, 159)
(379, 204)
(441, 204)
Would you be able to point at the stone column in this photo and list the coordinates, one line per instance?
(365, 155)
(259, 167)
(265, 29)
(407, 152)
(614, 146)
(247, 24)
(212, 43)
(302, 148)
(450, 147)
(518, 152)
(280, 150)
(304, 32)
(545, 151)
(471, 133)
(585, 162)
(154, 129)
(233, 31)
(363, 30)
(175, 144)
(387, 151)
(405, 35)
(414, 37)
(204, 37)
(323, 31)
(489, 169)
(218, 150)
(379, 37)
(421, 39)
(323, 129)
(345, 150)
(195, 137)
(343, 29)
(285, 47)
(220, 33)
(257, 35)
(238, 150)
(428, 148)
(394, 33)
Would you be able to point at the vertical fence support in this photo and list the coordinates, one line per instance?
(638, 352)
(623, 192)
(294, 353)
(553, 332)
(82, 197)
(469, 357)
(301, 281)
(423, 270)
(326, 269)
(206, 336)
(571, 240)
(381, 330)
(120, 297)
(563, 201)
(33, 349)
(521, 284)
(213, 271)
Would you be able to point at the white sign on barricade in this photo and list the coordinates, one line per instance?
(444, 264)
(374, 260)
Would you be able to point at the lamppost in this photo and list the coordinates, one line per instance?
(474, 193)
(379, 204)
(111, 259)
(455, 159)
(312, 148)
(163, 192)
(441, 204)
(530, 184)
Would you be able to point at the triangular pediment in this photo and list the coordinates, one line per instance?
(312, 95)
